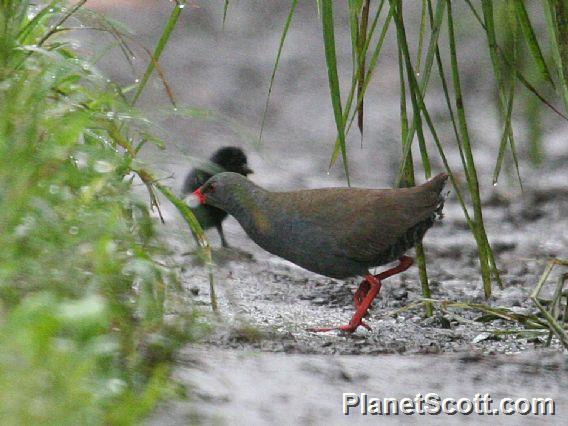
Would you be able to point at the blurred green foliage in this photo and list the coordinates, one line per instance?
(84, 333)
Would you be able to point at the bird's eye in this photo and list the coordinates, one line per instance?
(212, 187)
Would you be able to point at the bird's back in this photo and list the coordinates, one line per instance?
(341, 232)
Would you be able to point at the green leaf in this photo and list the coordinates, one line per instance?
(368, 76)
(531, 40)
(280, 47)
(331, 63)
(225, 8)
(551, 25)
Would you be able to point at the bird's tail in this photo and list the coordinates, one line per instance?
(436, 185)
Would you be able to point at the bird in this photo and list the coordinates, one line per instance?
(335, 232)
(226, 159)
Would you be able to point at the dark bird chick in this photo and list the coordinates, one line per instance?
(226, 159)
(336, 232)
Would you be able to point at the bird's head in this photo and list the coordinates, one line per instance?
(232, 159)
(222, 190)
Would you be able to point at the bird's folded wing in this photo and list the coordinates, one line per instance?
(362, 223)
(379, 223)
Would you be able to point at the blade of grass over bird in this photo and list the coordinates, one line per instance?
(484, 249)
(409, 182)
(194, 225)
(471, 172)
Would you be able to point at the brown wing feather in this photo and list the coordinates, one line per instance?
(364, 222)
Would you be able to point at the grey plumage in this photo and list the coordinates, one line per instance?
(337, 232)
(226, 159)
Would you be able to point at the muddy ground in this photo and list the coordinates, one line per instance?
(260, 365)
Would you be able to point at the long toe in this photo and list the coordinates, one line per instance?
(351, 328)
(320, 329)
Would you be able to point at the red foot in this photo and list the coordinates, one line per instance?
(364, 296)
(348, 328)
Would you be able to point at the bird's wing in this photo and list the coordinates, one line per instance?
(380, 223)
(364, 223)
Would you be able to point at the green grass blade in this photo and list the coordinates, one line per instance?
(354, 8)
(562, 29)
(446, 91)
(504, 136)
(531, 40)
(487, 8)
(409, 181)
(474, 11)
(442, 154)
(331, 63)
(551, 25)
(199, 236)
(514, 49)
(36, 21)
(403, 112)
(276, 63)
(540, 96)
(417, 121)
(471, 172)
(447, 166)
(517, 72)
(362, 54)
(425, 75)
(421, 35)
(61, 21)
(225, 9)
(162, 42)
(368, 76)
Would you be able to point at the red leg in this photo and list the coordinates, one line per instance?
(361, 292)
(357, 320)
(365, 294)
(405, 263)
